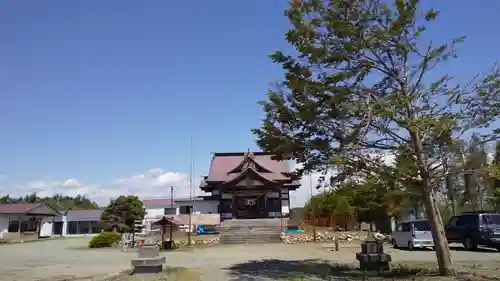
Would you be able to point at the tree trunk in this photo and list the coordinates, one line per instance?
(443, 254)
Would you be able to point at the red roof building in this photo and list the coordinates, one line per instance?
(249, 185)
(17, 218)
(28, 209)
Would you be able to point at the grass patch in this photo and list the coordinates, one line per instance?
(484, 270)
(21, 241)
(87, 248)
(318, 270)
(169, 273)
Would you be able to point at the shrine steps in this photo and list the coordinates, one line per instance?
(251, 231)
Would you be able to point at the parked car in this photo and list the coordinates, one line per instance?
(473, 229)
(413, 234)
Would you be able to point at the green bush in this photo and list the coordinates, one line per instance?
(105, 239)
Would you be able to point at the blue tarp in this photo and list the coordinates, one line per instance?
(293, 230)
(200, 230)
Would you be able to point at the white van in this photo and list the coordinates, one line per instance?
(413, 234)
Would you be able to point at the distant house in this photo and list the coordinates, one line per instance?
(197, 205)
(74, 223)
(158, 208)
(18, 221)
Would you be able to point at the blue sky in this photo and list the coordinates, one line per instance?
(95, 91)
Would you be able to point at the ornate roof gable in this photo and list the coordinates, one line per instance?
(249, 162)
(248, 173)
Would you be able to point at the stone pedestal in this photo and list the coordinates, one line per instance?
(149, 261)
(372, 256)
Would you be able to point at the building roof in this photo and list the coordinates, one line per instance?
(166, 202)
(154, 202)
(227, 168)
(167, 220)
(40, 208)
(82, 215)
(17, 208)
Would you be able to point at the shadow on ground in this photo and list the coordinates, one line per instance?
(310, 270)
(480, 250)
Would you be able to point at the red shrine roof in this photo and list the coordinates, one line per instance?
(228, 168)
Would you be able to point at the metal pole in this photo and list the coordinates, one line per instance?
(190, 187)
(312, 207)
(310, 187)
(171, 207)
(192, 178)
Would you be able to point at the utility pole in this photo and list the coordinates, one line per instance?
(313, 207)
(190, 187)
(171, 207)
(193, 169)
(310, 187)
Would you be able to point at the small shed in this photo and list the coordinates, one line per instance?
(167, 222)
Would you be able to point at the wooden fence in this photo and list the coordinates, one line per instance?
(346, 222)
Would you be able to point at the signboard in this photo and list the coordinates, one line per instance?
(250, 202)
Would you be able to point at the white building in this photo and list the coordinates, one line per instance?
(157, 208)
(24, 221)
(74, 223)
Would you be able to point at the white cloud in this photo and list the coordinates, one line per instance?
(307, 188)
(309, 183)
(154, 183)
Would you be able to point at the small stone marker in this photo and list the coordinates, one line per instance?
(372, 256)
(149, 260)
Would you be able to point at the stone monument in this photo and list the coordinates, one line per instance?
(372, 256)
(149, 260)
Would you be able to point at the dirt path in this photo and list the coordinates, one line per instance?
(52, 260)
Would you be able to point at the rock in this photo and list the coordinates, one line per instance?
(325, 236)
(197, 241)
(378, 236)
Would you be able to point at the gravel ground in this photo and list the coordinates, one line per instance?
(65, 259)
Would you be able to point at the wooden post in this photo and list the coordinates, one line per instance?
(171, 225)
(163, 229)
(38, 227)
(190, 222)
(234, 204)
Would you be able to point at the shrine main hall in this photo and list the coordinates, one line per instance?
(248, 185)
